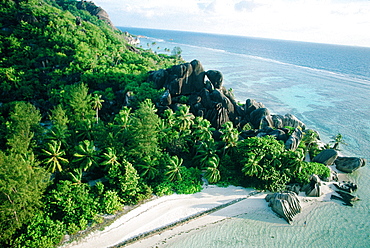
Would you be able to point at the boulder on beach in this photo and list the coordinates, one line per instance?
(326, 157)
(313, 189)
(346, 186)
(347, 198)
(290, 120)
(349, 164)
(285, 204)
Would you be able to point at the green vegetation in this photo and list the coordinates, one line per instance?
(70, 151)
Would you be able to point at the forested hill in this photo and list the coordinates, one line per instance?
(47, 45)
(63, 75)
(72, 150)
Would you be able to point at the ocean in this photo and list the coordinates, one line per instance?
(325, 86)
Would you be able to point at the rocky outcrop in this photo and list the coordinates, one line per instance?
(326, 157)
(132, 40)
(207, 97)
(96, 11)
(347, 198)
(313, 189)
(261, 118)
(31, 19)
(296, 188)
(290, 120)
(285, 204)
(346, 186)
(293, 141)
(349, 164)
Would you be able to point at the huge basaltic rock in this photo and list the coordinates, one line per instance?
(166, 99)
(349, 164)
(285, 204)
(326, 157)
(261, 118)
(215, 77)
(208, 98)
(251, 105)
(347, 198)
(313, 189)
(280, 121)
(293, 141)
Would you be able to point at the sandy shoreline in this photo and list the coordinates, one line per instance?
(166, 210)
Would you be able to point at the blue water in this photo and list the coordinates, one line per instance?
(325, 86)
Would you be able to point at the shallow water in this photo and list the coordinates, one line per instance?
(327, 94)
(328, 224)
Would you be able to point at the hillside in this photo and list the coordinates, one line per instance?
(46, 45)
(56, 57)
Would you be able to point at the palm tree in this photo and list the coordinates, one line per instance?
(54, 155)
(174, 169)
(84, 130)
(122, 118)
(230, 136)
(212, 173)
(183, 119)
(291, 161)
(338, 139)
(148, 167)
(86, 155)
(97, 105)
(202, 129)
(205, 152)
(76, 175)
(252, 167)
(310, 138)
(110, 157)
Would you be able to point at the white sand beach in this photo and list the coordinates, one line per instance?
(166, 210)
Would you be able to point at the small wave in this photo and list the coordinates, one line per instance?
(153, 39)
(209, 48)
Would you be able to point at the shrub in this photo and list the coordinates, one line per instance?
(41, 232)
(111, 202)
(309, 168)
(73, 204)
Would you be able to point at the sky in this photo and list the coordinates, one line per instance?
(344, 22)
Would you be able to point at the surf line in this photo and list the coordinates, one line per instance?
(180, 222)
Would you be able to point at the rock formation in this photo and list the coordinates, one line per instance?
(207, 97)
(346, 186)
(349, 164)
(96, 11)
(313, 188)
(285, 204)
(347, 198)
(293, 141)
(326, 157)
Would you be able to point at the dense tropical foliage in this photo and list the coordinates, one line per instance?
(72, 149)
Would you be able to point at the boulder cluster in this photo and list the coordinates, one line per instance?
(344, 164)
(204, 92)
